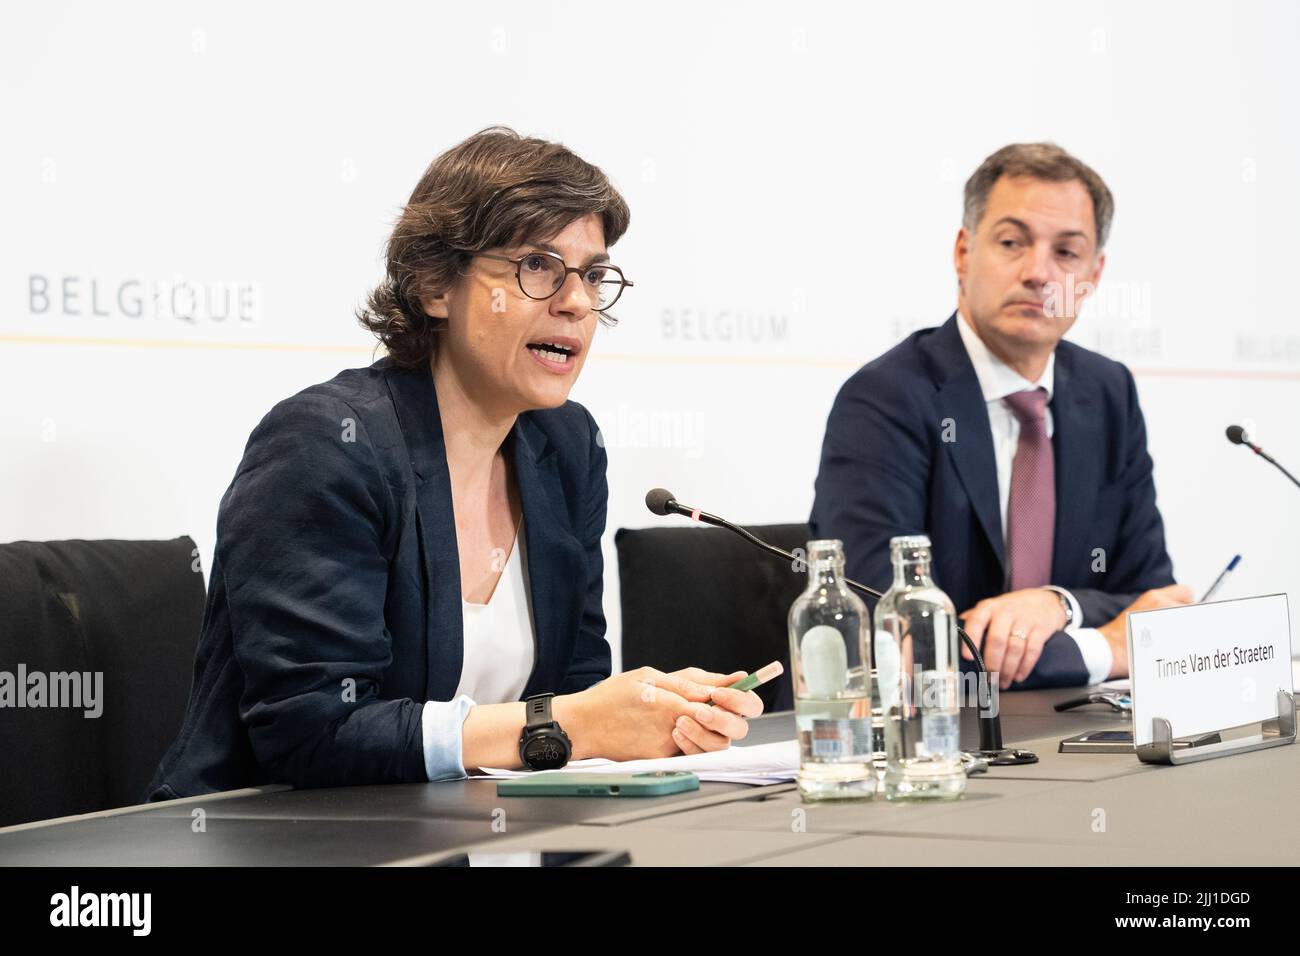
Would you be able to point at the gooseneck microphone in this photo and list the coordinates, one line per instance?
(1237, 435)
(661, 501)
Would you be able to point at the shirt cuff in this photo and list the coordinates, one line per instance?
(1076, 612)
(441, 725)
(1096, 653)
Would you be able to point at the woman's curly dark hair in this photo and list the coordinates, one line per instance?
(497, 188)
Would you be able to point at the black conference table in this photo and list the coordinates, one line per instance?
(1045, 813)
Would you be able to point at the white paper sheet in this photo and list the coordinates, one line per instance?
(756, 765)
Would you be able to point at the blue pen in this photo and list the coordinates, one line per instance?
(1220, 579)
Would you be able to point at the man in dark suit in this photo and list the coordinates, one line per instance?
(1022, 456)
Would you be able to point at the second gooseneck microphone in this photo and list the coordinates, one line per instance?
(1238, 436)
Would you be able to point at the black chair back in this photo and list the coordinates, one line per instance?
(704, 597)
(128, 611)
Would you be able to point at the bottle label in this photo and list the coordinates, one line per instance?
(841, 738)
(941, 733)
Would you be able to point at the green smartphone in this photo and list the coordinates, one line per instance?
(557, 784)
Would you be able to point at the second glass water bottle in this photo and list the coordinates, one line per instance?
(916, 662)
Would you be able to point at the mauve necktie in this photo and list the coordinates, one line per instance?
(1031, 509)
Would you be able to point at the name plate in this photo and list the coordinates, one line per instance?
(1208, 667)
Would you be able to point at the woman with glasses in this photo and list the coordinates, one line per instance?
(407, 579)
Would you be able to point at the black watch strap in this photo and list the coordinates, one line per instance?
(537, 711)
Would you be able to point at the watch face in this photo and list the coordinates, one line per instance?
(546, 753)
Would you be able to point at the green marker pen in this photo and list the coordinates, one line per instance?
(759, 677)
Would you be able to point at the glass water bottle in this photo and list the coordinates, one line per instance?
(917, 667)
(831, 671)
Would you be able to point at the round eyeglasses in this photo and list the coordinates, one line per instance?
(541, 274)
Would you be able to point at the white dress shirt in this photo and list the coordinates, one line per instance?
(499, 651)
(997, 381)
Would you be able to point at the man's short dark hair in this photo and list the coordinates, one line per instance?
(1045, 161)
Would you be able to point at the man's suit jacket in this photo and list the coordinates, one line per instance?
(334, 605)
(908, 449)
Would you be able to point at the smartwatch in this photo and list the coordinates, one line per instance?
(542, 745)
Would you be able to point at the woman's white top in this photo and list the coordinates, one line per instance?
(499, 637)
(498, 660)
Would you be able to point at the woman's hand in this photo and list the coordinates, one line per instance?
(715, 727)
(637, 714)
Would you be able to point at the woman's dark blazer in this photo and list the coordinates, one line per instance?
(334, 604)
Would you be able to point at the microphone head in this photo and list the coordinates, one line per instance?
(660, 501)
(1236, 434)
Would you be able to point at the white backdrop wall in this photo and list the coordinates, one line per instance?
(195, 197)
